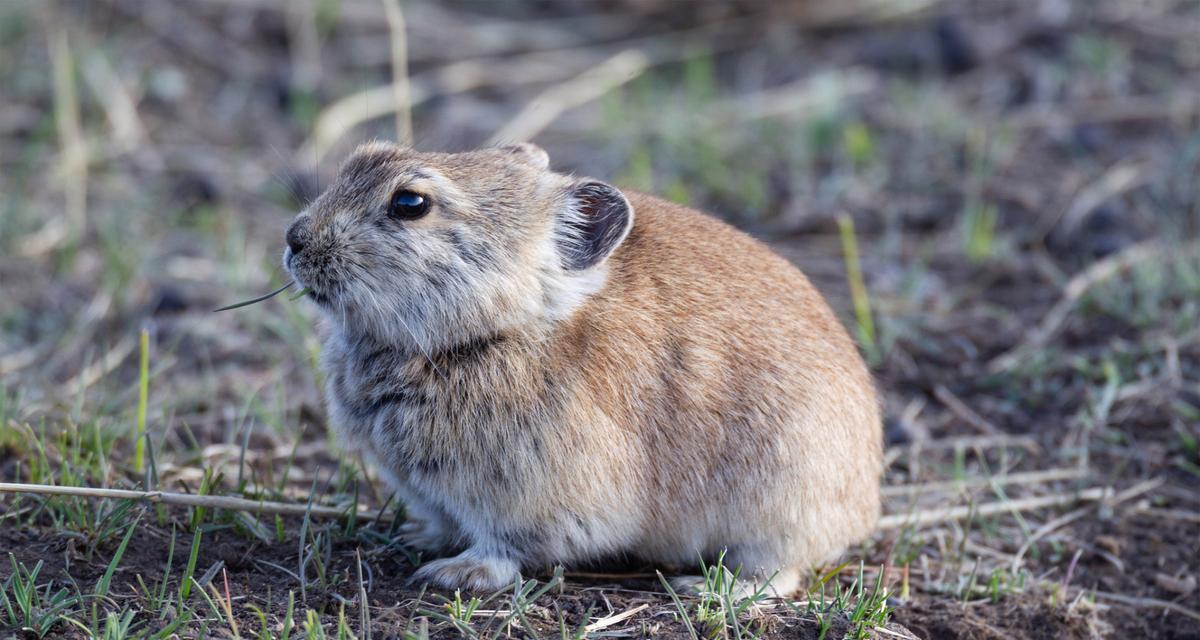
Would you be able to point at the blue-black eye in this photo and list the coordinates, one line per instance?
(407, 205)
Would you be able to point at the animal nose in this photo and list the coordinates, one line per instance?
(296, 236)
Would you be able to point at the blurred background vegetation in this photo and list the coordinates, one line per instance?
(999, 196)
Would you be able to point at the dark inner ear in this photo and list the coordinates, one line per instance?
(594, 223)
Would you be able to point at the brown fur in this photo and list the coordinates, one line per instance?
(688, 393)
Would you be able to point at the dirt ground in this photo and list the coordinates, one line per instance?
(1021, 177)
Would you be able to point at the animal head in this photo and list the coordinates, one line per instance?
(432, 250)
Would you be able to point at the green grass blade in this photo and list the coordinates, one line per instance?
(139, 446)
(185, 587)
(858, 286)
(678, 605)
(102, 586)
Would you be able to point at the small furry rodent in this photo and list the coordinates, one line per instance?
(550, 371)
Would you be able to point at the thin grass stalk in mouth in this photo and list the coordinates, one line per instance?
(274, 293)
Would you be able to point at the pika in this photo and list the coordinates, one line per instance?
(549, 370)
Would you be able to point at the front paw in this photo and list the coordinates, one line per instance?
(470, 572)
(424, 535)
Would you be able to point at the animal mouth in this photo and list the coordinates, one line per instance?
(319, 296)
(307, 288)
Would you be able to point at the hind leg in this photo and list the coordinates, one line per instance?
(768, 565)
(782, 583)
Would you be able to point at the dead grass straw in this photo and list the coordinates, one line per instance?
(1060, 522)
(191, 500)
(949, 514)
(582, 89)
(397, 32)
(1030, 477)
(1147, 603)
(1079, 285)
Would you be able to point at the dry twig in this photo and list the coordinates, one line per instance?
(191, 500)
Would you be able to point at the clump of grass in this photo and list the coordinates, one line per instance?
(723, 604)
(117, 626)
(32, 610)
(1002, 583)
(857, 144)
(315, 630)
(871, 610)
(460, 614)
(979, 216)
(865, 610)
(979, 231)
(70, 455)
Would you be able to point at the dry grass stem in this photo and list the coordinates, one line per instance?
(304, 44)
(192, 500)
(1181, 105)
(1031, 477)
(604, 623)
(1169, 514)
(338, 118)
(964, 413)
(1062, 521)
(1118, 179)
(801, 98)
(397, 32)
(70, 128)
(1075, 289)
(580, 90)
(1148, 603)
(102, 366)
(120, 107)
(976, 442)
(948, 514)
(825, 14)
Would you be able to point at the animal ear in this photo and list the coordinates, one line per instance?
(530, 153)
(593, 222)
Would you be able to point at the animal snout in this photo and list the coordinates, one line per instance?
(297, 235)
